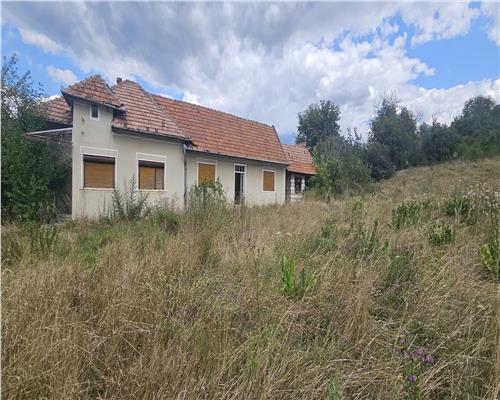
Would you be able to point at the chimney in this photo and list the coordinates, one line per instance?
(118, 80)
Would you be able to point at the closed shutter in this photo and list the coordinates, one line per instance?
(268, 181)
(206, 173)
(151, 175)
(98, 172)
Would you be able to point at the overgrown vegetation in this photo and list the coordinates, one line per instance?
(33, 174)
(311, 301)
(395, 142)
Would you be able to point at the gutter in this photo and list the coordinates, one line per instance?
(184, 145)
(142, 134)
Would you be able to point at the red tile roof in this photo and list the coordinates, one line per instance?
(142, 112)
(300, 159)
(93, 89)
(209, 130)
(56, 110)
(217, 132)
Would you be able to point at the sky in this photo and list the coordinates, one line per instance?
(269, 61)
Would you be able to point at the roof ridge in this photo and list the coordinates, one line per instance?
(213, 109)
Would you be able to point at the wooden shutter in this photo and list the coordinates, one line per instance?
(98, 172)
(146, 178)
(268, 181)
(206, 173)
(159, 174)
(151, 175)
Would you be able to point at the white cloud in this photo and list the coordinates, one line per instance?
(492, 9)
(262, 61)
(438, 21)
(40, 40)
(64, 76)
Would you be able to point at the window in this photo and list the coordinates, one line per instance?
(151, 175)
(94, 111)
(98, 172)
(206, 173)
(268, 181)
(298, 185)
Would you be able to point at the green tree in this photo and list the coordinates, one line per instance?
(396, 128)
(32, 172)
(439, 142)
(318, 122)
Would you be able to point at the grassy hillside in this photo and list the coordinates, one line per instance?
(394, 301)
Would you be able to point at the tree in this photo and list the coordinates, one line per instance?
(340, 165)
(439, 142)
(32, 172)
(396, 128)
(318, 122)
(379, 162)
(479, 128)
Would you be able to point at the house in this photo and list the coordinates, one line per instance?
(115, 133)
(300, 169)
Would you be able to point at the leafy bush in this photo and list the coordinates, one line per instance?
(205, 201)
(129, 205)
(33, 173)
(293, 287)
(441, 233)
(408, 213)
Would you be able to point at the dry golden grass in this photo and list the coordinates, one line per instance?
(137, 311)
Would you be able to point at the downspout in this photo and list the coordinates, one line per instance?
(185, 174)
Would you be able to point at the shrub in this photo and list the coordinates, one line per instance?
(441, 233)
(408, 214)
(129, 205)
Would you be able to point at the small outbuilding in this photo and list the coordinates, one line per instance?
(299, 170)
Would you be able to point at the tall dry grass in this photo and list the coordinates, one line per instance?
(192, 307)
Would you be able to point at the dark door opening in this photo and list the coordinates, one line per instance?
(239, 183)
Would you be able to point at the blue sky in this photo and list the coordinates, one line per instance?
(268, 61)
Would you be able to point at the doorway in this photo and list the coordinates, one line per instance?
(239, 183)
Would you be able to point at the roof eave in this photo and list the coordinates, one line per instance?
(140, 133)
(225, 155)
(70, 97)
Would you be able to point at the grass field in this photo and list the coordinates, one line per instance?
(384, 296)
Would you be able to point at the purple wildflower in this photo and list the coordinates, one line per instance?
(402, 341)
(412, 378)
(419, 352)
(429, 359)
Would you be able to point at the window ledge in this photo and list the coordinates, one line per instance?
(98, 189)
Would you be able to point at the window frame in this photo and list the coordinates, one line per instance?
(98, 112)
(152, 158)
(108, 158)
(97, 152)
(208, 162)
(274, 180)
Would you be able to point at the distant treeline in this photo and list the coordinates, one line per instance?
(396, 141)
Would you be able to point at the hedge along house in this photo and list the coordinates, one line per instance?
(299, 170)
(169, 146)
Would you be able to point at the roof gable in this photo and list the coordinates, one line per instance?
(93, 89)
(300, 159)
(143, 113)
(217, 132)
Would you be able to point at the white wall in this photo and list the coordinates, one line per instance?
(253, 181)
(92, 136)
